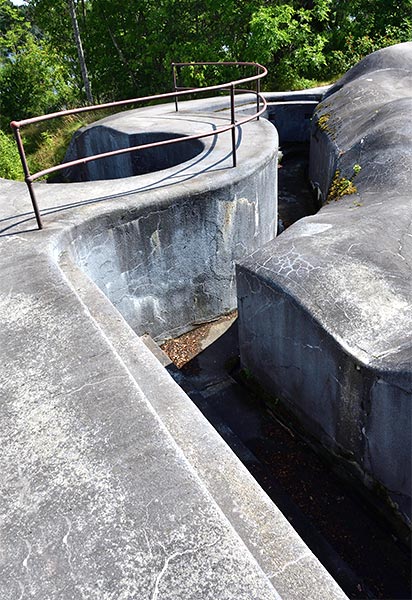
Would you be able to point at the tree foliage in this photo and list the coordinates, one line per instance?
(129, 44)
(33, 78)
(10, 166)
(292, 38)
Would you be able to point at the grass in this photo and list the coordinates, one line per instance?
(45, 143)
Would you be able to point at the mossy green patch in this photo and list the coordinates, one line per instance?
(323, 122)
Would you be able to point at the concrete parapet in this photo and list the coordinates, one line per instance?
(168, 263)
(325, 309)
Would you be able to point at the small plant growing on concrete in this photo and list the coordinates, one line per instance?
(323, 123)
(342, 186)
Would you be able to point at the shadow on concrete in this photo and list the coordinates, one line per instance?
(295, 196)
(333, 520)
(165, 181)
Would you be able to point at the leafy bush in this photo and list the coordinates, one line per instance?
(32, 82)
(10, 165)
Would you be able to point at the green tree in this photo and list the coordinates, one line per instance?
(33, 79)
(290, 39)
(129, 44)
(14, 28)
(80, 51)
(359, 27)
(32, 82)
(60, 21)
(133, 44)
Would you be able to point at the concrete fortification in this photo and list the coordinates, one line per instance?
(115, 485)
(334, 292)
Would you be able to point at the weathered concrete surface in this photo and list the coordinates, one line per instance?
(326, 308)
(292, 119)
(167, 261)
(170, 264)
(114, 485)
(98, 500)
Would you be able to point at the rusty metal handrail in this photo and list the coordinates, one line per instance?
(261, 72)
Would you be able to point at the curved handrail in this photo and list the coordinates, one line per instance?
(179, 91)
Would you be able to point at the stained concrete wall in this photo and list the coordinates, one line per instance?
(325, 309)
(170, 265)
(100, 138)
(292, 118)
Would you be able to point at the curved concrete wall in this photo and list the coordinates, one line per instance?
(333, 293)
(170, 264)
(100, 138)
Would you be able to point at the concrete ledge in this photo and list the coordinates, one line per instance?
(325, 309)
(115, 485)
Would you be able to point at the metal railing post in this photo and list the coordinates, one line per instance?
(233, 121)
(257, 93)
(16, 131)
(175, 85)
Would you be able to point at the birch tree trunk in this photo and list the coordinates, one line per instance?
(80, 52)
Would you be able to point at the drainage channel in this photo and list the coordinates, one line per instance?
(346, 535)
(342, 531)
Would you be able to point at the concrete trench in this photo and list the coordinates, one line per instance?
(326, 509)
(335, 290)
(118, 484)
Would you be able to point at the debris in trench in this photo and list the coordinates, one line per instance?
(182, 349)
